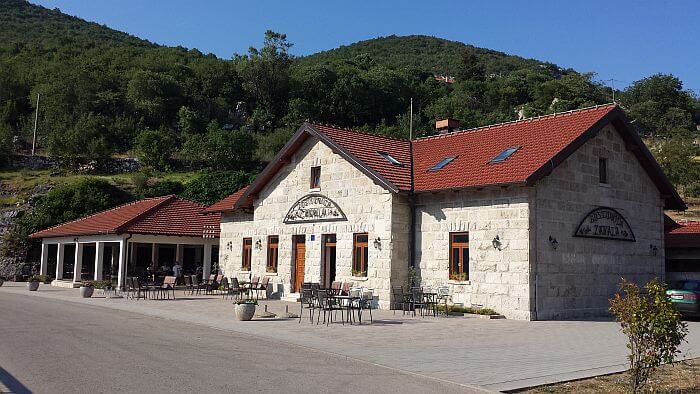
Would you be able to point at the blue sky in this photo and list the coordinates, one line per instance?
(624, 40)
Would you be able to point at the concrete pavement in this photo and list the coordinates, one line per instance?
(52, 346)
(495, 354)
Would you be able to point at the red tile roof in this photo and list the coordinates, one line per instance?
(538, 140)
(683, 235)
(543, 143)
(168, 215)
(365, 147)
(225, 204)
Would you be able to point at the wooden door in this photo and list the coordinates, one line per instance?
(299, 261)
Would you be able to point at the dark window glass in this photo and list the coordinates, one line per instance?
(272, 253)
(360, 255)
(459, 256)
(315, 177)
(603, 170)
(442, 163)
(504, 155)
(389, 158)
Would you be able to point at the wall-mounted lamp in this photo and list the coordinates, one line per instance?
(497, 244)
(553, 242)
(377, 243)
(229, 245)
(653, 250)
(258, 245)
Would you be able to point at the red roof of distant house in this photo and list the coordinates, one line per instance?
(683, 235)
(542, 144)
(168, 215)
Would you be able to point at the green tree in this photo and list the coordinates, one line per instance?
(677, 159)
(211, 187)
(155, 148)
(653, 327)
(61, 204)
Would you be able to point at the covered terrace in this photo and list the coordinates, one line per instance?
(130, 239)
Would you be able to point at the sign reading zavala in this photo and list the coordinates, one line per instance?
(314, 208)
(605, 223)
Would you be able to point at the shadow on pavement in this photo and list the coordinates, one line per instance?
(12, 384)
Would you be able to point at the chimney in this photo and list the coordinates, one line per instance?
(445, 126)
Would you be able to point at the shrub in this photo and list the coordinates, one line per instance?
(162, 188)
(34, 278)
(155, 148)
(101, 284)
(87, 284)
(251, 301)
(653, 327)
(211, 187)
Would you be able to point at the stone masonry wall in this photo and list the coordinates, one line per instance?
(498, 279)
(578, 277)
(368, 208)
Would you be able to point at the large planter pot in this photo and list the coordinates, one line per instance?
(86, 292)
(245, 311)
(32, 286)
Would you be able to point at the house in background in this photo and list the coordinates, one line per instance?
(682, 245)
(536, 219)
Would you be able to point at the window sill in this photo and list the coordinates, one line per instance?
(271, 273)
(459, 282)
(605, 185)
(315, 189)
(360, 278)
(244, 271)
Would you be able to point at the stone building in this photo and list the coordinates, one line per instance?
(536, 219)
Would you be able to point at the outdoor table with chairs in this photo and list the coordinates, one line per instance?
(425, 300)
(338, 298)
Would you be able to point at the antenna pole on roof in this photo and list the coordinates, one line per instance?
(410, 122)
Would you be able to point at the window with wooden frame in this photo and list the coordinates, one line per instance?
(272, 253)
(315, 178)
(360, 254)
(247, 254)
(459, 256)
(602, 170)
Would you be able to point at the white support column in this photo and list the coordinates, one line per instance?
(78, 263)
(206, 269)
(122, 264)
(178, 253)
(43, 269)
(60, 255)
(154, 255)
(99, 259)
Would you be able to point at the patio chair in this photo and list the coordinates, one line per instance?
(210, 283)
(345, 290)
(196, 286)
(262, 287)
(129, 288)
(235, 288)
(307, 301)
(417, 301)
(324, 303)
(253, 284)
(444, 296)
(188, 284)
(397, 298)
(364, 300)
(168, 286)
(224, 287)
(139, 290)
(335, 288)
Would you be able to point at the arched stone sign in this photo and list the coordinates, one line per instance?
(314, 208)
(605, 223)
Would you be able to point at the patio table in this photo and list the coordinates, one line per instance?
(346, 302)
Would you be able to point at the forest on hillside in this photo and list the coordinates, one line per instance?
(104, 93)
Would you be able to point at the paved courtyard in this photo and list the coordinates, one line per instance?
(491, 354)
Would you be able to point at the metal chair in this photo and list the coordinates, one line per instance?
(168, 286)
(262, 287)
(397, 298)
(235, 288)
(307, 300)
(417, 301)
(189, 286)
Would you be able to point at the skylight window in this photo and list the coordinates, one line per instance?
(504, 155)
(389, 158)
(442, 163)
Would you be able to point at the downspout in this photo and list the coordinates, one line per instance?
(412, 219)
(534, 254)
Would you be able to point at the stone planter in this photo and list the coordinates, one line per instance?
(245, 312)
(32, 286)
(86, 292)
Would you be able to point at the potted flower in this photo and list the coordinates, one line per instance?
(86, 289)
(245, 309)
(33, 283)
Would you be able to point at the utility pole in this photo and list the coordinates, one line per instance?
(36, 119)
(410, 122)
